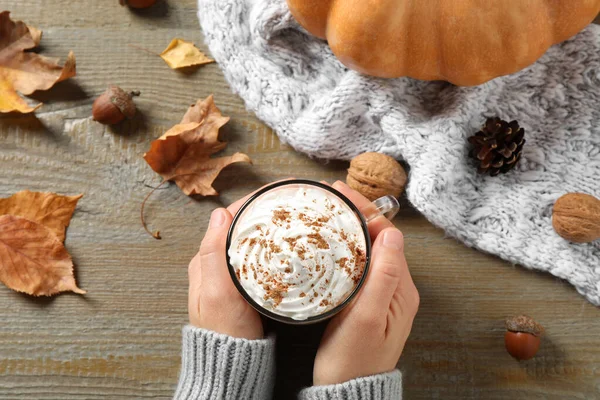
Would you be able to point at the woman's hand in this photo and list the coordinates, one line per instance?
(367, 337)
(214, 301)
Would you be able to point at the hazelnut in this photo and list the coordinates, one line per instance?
(137, 3)
(375, 175)
(576, 217)
(522, 337)
(112, 106)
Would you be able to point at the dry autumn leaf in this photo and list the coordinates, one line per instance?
(180, 54)
(33, 260)
(49, 209)
(36, 34)
(183, 153)
(22, 71)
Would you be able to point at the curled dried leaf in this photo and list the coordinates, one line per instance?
(180, 54)
(22, 71)
(183, 153)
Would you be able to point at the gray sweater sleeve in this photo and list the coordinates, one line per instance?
(220, 367)
(386, 386)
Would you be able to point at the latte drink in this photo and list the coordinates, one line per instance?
(298, 250)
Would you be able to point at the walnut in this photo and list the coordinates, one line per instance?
(576, 217)
(375, 175)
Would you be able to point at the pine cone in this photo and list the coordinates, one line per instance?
(497, 146)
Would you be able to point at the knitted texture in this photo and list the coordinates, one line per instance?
(377, 387)
(220, 367)
(293, 82)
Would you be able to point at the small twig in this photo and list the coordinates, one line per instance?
(155, 235)
(153, 187)
(143, 49)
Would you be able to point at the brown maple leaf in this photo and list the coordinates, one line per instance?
(49, 209)
(183, 153)
(22, 71)
(33, 260)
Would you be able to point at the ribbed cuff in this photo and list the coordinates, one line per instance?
(386, 386)
(217, 366)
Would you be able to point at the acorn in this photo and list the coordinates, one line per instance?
(137, 3)
(113, 106)
(522, 337)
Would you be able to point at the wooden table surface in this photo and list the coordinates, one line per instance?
(122, 340)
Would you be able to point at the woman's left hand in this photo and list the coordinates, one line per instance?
(214, 301)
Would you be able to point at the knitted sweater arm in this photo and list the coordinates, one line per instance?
(386, 386)
(217, 366)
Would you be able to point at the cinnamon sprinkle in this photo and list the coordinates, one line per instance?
(302, 252)
(275, 292)
(292, 241)
(316, 238)
(323, 219)
(280, 216)
(274, 248)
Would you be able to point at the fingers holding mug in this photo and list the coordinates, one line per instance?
(366, 207)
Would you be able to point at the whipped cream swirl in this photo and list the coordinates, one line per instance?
(298, 250)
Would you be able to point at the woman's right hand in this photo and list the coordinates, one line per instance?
(368, 336)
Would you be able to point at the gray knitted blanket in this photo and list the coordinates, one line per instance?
(293, 82)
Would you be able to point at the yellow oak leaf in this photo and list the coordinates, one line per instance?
(180, 54)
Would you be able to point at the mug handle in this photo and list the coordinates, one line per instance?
(388, 206)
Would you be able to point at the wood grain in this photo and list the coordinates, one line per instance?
(122, 340)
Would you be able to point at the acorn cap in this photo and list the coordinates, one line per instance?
(122, 100)
(525, 324)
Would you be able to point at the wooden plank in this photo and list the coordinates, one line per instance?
(122, 340)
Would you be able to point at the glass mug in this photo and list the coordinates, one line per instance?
(387, 206)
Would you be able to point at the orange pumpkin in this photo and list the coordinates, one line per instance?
(466, 42)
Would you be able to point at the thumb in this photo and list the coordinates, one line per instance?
(387, 268)
(212, 250)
